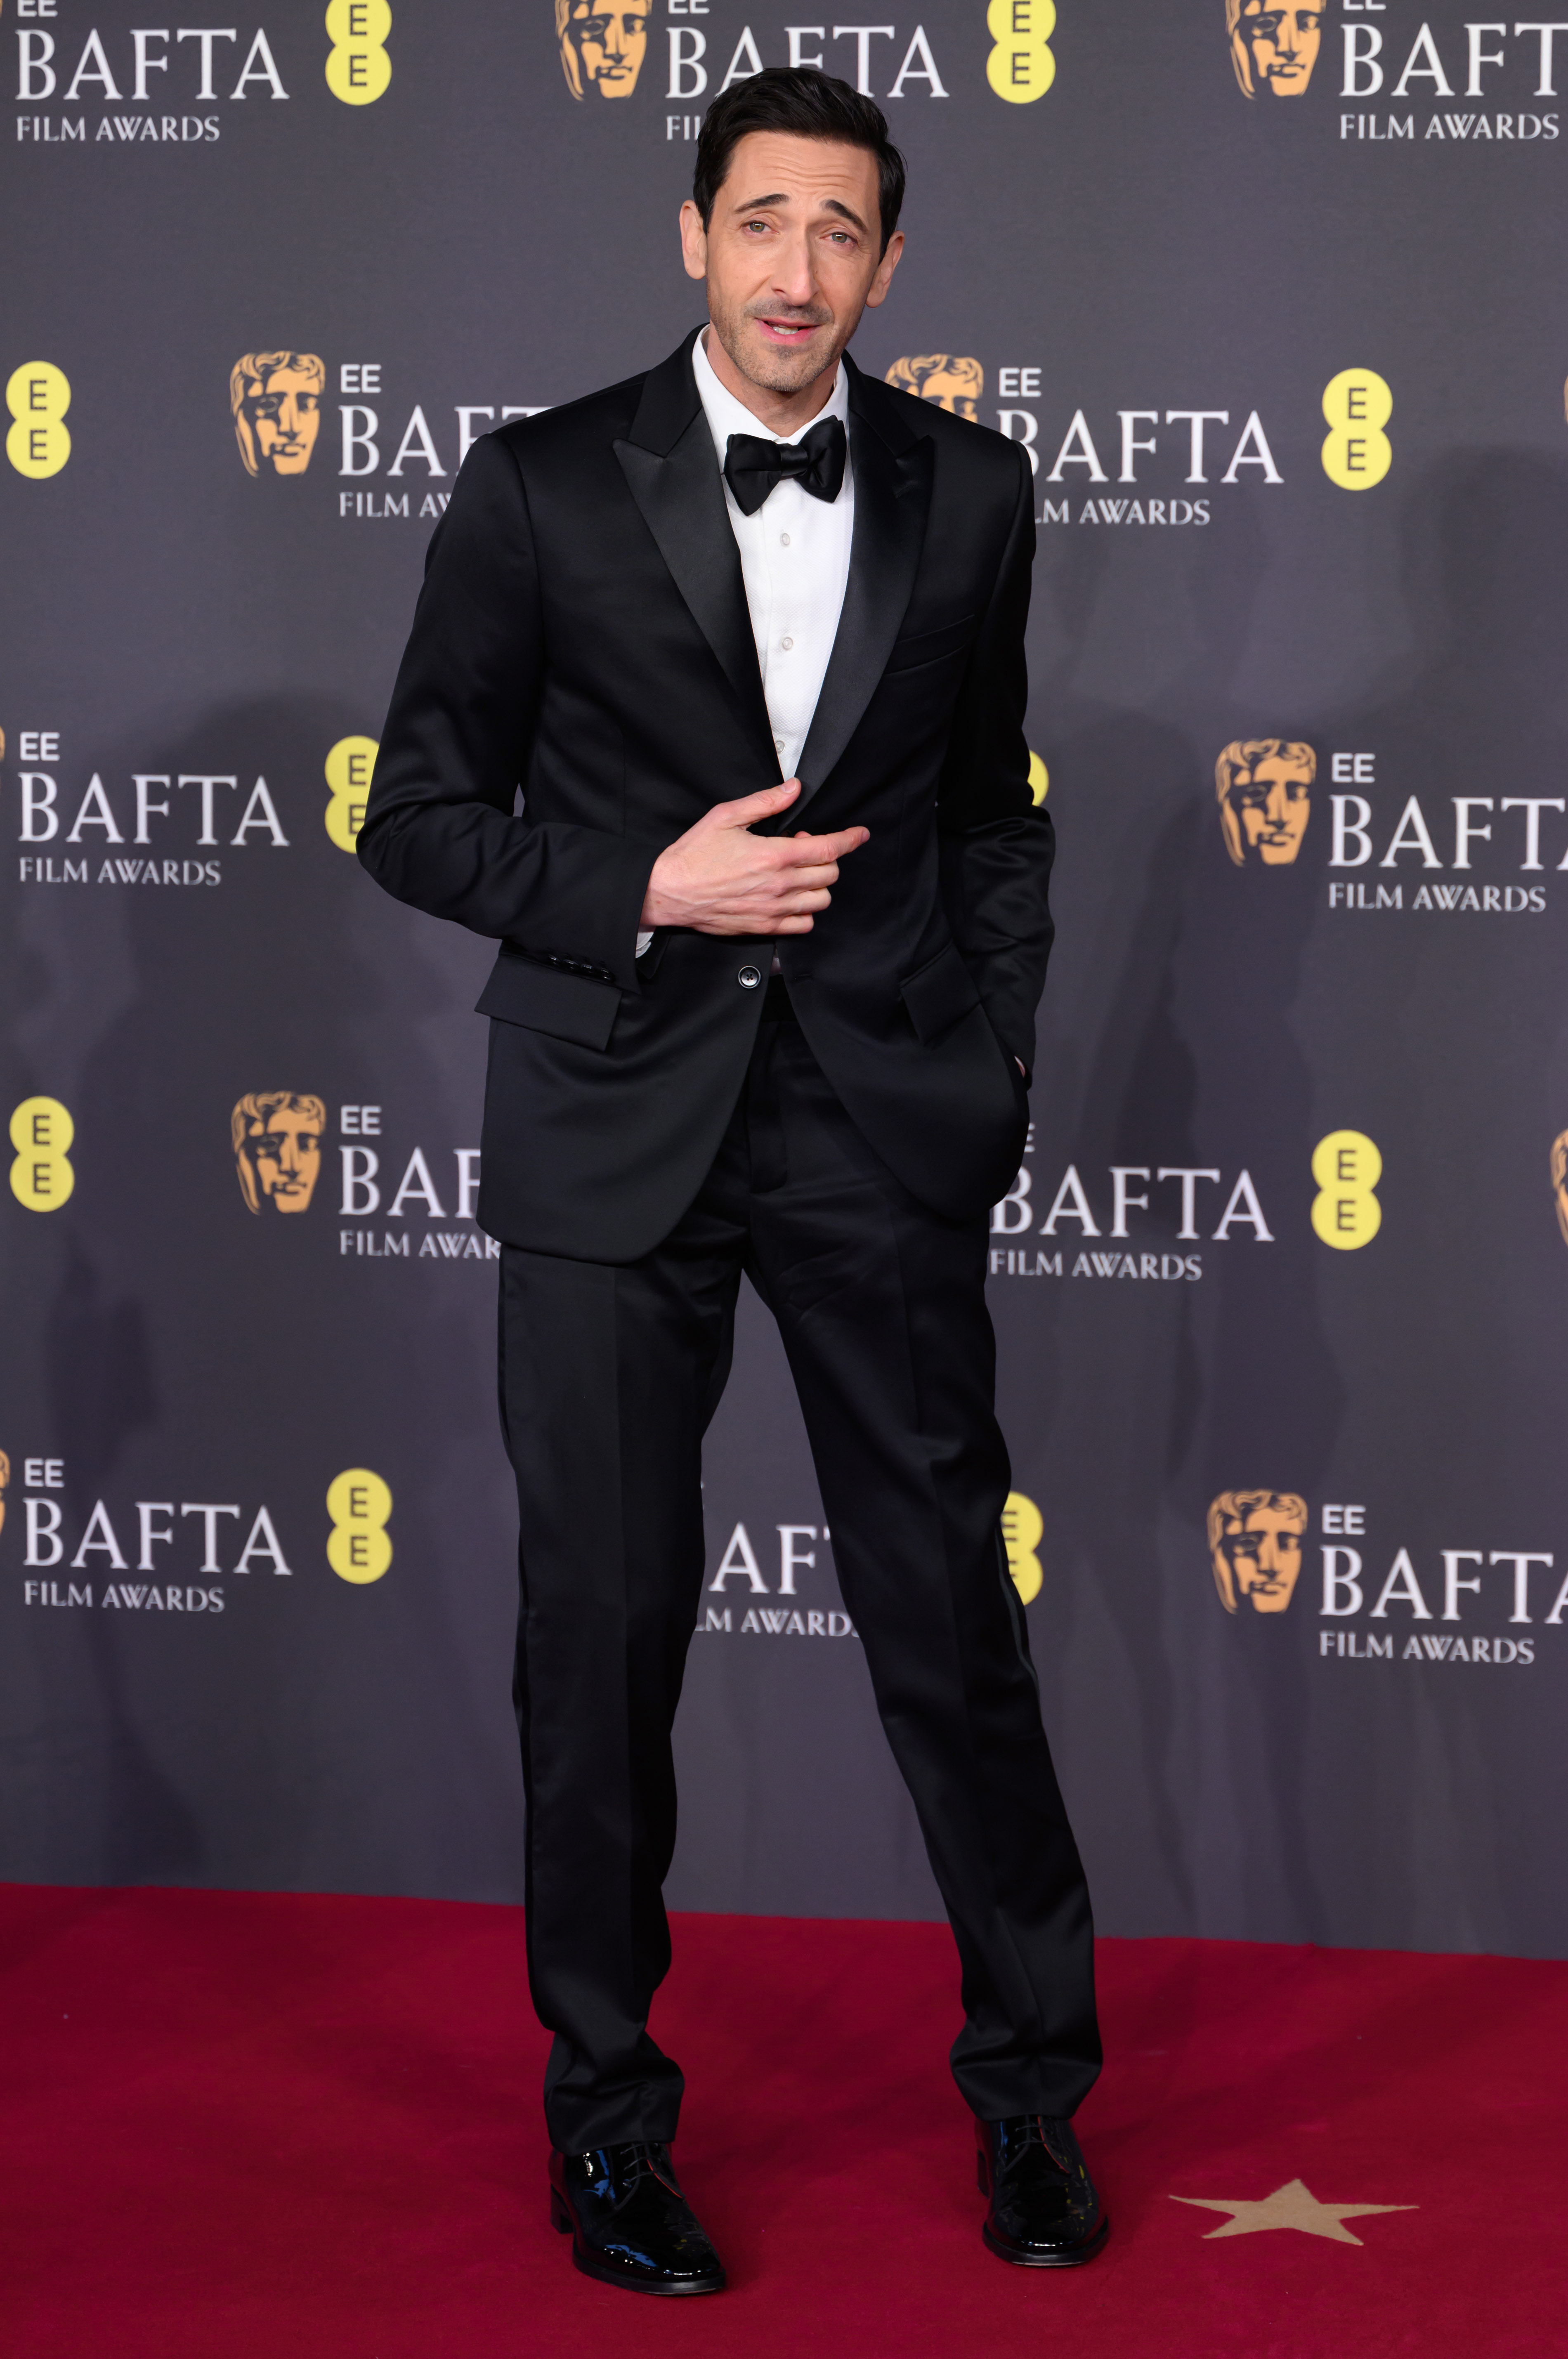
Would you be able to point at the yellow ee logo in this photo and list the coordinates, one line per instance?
(37, 396)
(358, 67)
(1040, 778)
(42, 1133)
(1356, 454)
(348, 768)
(1347, 1167)
(1020, 67)
(1022, 1525)
(357, 1547)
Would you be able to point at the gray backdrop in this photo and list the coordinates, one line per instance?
(1304, 1732)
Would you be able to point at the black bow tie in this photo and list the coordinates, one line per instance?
(752, 466)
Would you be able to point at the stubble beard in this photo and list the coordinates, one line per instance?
(771, 370)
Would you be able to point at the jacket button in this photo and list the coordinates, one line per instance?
(750, 978)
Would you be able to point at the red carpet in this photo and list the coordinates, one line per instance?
(250, 2127)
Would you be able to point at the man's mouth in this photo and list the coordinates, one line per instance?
(789, 332)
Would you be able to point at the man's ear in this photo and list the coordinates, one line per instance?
(884, 269)
(693, 242)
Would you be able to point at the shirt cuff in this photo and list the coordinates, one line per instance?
(642, 943)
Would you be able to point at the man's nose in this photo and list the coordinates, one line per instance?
(794, 274)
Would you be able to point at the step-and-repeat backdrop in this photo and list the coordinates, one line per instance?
(1274, 298)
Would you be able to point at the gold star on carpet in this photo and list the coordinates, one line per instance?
(1289, 2206)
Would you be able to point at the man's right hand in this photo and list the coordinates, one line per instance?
(718, 878)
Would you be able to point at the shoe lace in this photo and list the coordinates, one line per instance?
(642, 2159)
(1028, 2130)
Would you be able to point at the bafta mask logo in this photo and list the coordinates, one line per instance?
(5, 1479)
(602, 47)
(1273, 49)
(276, 399)
(1560, 1181)
(1255, 1547)
(278, 1148)
(1265, 790)
(953, 382)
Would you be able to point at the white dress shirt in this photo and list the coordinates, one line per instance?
(794, 561)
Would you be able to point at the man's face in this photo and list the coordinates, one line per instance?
(284, 1153)
(1272, 807)
(951, 392)
(1284, 45)
(1264, 1553)
(610, 45)
(284, 412)
(791, 255)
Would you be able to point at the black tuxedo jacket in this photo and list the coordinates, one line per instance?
(582, 634)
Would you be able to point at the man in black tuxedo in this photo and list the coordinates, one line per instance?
(747, 633)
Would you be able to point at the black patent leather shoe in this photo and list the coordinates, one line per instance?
(628, 2221)
(1044, 2213)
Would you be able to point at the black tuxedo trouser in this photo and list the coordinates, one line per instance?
(609, 1376)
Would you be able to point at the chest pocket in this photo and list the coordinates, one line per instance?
(930, 647)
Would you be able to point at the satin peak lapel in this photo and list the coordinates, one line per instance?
(672, 474)
(892, 500)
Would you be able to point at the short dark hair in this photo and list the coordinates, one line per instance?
(810, 104)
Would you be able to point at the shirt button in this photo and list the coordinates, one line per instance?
(750, 978)
(786, 644)
(783, 540)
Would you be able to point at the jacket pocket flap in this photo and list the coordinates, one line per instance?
(937, 993)
(548, 999)
(925, 646)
